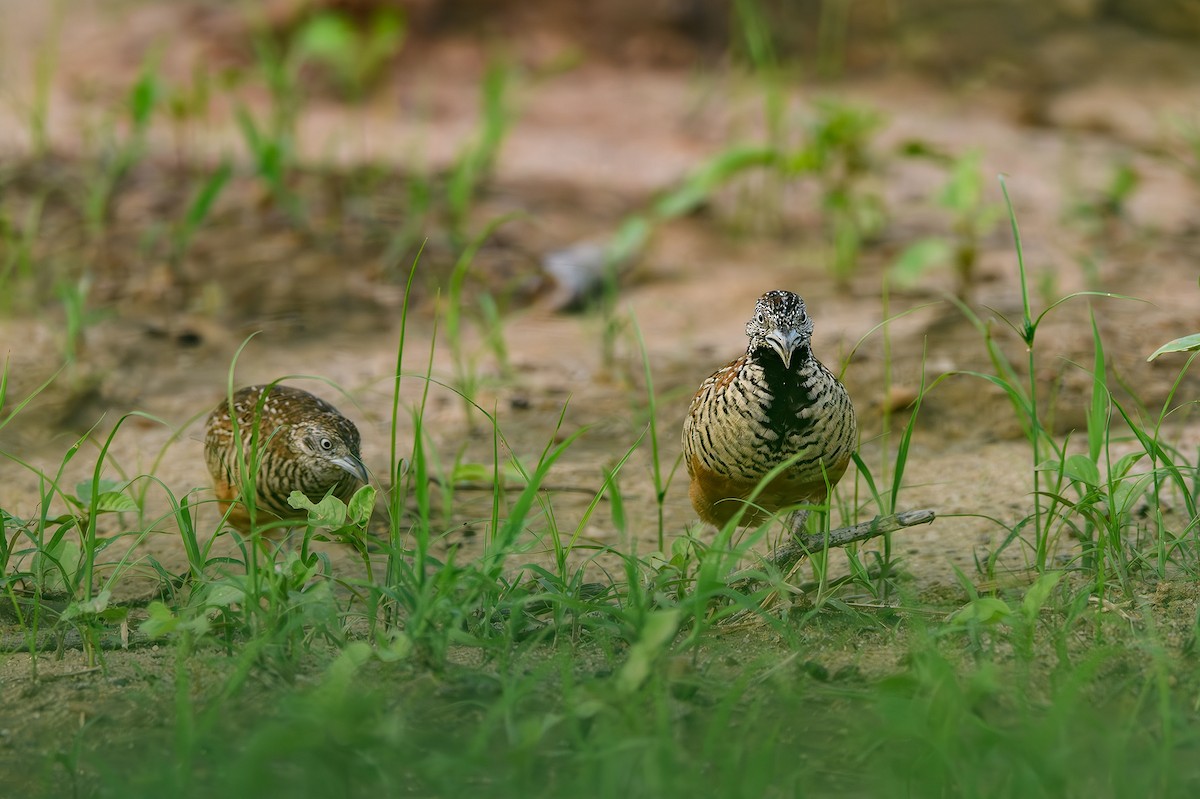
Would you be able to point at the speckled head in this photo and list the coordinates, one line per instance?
(780, 323)
(330, 445)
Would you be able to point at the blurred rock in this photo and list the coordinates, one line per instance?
(576, 274)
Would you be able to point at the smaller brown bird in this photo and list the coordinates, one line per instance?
(304, 444)
(776, 403)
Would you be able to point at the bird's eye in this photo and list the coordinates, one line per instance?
(759, 318)
(803, 317)
(326, 444)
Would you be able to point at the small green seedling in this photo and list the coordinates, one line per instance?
(971, 219)
(354, 54)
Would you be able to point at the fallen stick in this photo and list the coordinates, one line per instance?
(801, 546)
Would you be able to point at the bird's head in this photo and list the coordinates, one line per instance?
(330, 445)
(780, 323)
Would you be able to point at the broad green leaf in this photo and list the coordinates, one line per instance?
(115, 502)
(92, 607)
(587, 708)
(532, 731)
(983, 610)
(113, 614)
(224, 594)
(1122, 183)
(657, 634)
(965, 187)
(299, 571)
(361, 505)
(1081, 469)
(329, 37)
(468, 472)
(162, 621)
(1126, 463)
(1038, 593)
(143, 98)
(329, 512)
(385, 36)
(399, 647)
(56, 566)
(346, 665)
(83, 490)
(1186, 344)
(918, 258)
(1128, 491)
(159, 621)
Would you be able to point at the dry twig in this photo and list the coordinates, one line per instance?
(788, 555)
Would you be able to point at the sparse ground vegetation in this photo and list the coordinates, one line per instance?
(359, 200)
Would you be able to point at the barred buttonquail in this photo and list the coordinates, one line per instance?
(773, 404)
(304, 445)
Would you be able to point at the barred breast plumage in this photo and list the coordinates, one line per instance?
(775, 403)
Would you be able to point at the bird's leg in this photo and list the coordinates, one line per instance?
(797, 522)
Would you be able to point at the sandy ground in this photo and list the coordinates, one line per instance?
(589, 145)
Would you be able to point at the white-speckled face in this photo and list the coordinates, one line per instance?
(780, 323)
(329, 447)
